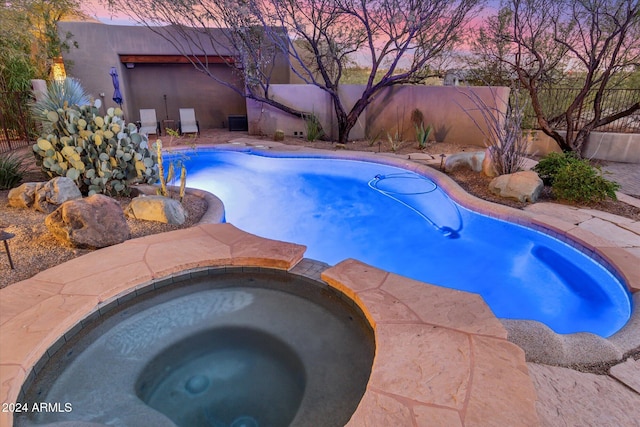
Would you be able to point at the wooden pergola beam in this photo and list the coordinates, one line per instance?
(174, 59)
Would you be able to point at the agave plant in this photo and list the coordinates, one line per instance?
(60, 94)
(12, 168)
(422, 135)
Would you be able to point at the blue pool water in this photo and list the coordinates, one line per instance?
(404, 223)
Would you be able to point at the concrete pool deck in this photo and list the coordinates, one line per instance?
(442, 357)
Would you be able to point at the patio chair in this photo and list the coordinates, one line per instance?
(188, 122)
(149, 124)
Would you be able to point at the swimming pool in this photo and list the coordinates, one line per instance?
(403, 222)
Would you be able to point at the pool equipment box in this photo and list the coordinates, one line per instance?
(238, 123)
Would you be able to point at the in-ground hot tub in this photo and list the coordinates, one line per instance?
(230, 348)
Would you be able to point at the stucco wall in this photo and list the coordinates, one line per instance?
(445, 108)
(265, 119)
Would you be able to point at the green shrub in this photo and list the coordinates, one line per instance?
(314, 128)
(549, 165)
(574, 179)
(578, 181)
(101, 154)
(12, 170)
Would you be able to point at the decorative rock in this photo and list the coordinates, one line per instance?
(94, 222)
(472, 160)
(488, 167)
(543, 345)
(156, 208)
(51, 194)
(23, 196)
(522, 186)
(278, 135)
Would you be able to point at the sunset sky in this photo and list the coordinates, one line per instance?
(94, 9)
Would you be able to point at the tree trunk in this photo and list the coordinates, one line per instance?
(562, 143)
(581, 138)
(345, 125)
(348, 121)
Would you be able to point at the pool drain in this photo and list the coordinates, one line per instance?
(197, 384)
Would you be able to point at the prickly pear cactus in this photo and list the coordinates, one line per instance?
(101, 154)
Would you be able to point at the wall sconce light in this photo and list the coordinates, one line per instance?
(130, 65)
(57, 69)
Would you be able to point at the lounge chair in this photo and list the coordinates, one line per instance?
(149, 124)
(188, 122)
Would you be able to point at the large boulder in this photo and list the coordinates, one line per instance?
(156, 208)
(23, 196)
(522, 186)
(51, 194)
(471, 160)
(94, 222)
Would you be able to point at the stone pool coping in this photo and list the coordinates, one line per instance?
(441, 355)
